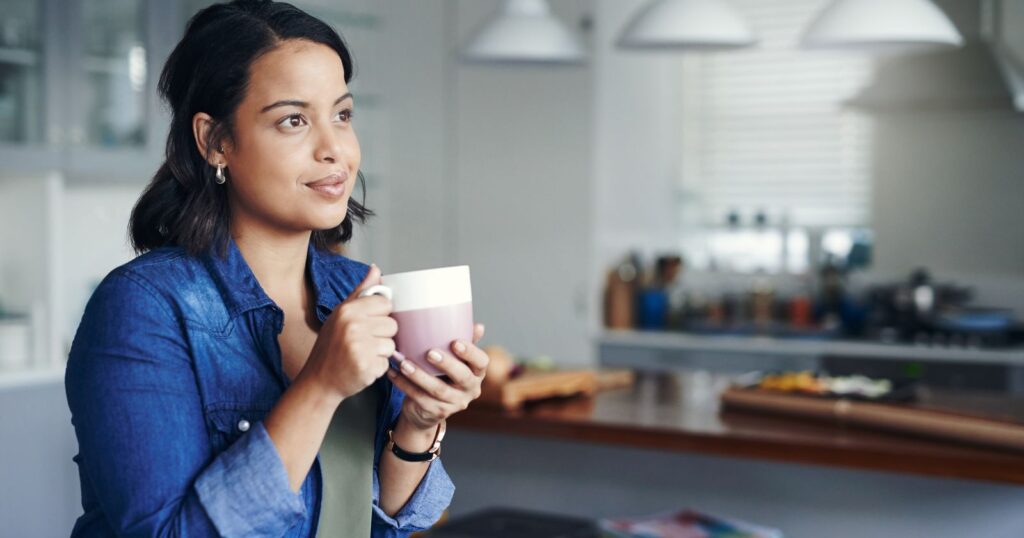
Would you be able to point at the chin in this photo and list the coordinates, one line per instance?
(327, 222)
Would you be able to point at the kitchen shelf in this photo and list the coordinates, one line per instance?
(805, 349)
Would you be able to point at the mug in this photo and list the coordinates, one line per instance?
(433, 307)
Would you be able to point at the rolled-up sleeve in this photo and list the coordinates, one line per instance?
(424, 508)
(144, 450)
(239, 486)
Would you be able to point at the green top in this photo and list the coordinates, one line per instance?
(346, 461)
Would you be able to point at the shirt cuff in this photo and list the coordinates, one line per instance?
(245, 490)
(430, 499)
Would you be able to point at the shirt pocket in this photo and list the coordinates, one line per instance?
(227, 422)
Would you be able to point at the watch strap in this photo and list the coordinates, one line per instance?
(429, 455)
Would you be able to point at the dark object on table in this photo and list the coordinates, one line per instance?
(668, 269)
(514, 523)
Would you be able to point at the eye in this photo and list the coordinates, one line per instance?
(293, 121)
(345, 115)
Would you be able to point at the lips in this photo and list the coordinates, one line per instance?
(332, 179)
(331, 186)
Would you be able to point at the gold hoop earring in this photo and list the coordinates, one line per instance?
(220, 174)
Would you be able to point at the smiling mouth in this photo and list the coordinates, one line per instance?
(332, 185)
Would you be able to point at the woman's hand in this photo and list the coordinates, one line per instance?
(429, 399)
(353, 346)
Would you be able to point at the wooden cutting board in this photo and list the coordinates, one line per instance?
(541, 385)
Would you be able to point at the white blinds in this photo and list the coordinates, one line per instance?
(764, 130)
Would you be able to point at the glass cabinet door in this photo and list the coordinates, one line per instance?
(21, 59)
(113, 98)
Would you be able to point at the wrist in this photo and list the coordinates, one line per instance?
(320, 395)
(413, 437)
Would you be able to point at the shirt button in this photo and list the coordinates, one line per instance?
(243, 425)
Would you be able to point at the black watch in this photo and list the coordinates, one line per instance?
(429, 455)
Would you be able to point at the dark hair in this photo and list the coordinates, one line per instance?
(208, 71)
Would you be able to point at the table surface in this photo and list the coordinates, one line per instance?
(657, 414)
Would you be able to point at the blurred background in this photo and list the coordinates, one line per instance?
(689, 191)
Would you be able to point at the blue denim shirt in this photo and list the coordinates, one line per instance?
(174, 366)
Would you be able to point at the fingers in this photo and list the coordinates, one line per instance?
(478, 332)
(385, 347)
(473, 356)
(383, 326)
(456, 370)
(372, 278)
(422, 398)
(430, 384)
(373, 305)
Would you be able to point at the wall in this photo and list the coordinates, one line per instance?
(94, 240)
(30, 256)
(948, 192)
(948, 188)
(635, 140)
(522, 160)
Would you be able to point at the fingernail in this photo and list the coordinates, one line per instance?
(407, 367)
(434, 356)
(460, 347)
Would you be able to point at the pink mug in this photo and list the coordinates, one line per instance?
(433, 307)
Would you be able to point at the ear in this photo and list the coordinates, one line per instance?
(202, 125)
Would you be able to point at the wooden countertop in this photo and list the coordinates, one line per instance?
(654, 414)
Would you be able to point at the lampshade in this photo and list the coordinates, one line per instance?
(524, 31)
(687, 24)
(885, 25)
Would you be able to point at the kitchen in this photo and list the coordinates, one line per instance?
(553, 180)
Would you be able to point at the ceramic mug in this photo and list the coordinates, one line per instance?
(433, 307)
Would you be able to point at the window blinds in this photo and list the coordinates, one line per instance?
(764, 129)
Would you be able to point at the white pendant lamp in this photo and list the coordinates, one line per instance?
(687, 24)
(524, 31)
(882, 25)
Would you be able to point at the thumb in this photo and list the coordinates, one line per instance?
(371, 279)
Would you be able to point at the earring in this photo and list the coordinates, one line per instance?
(220, 174)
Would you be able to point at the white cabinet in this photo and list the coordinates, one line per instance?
(78, 87)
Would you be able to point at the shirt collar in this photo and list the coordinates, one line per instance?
(242, 292)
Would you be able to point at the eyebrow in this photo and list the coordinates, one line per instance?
(300, 104)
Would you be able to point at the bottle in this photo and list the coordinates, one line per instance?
(619, 295)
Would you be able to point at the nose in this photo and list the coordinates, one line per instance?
(330, 147)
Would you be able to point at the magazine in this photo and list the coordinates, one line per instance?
(683, 524)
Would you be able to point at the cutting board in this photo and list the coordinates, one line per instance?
(532, 386)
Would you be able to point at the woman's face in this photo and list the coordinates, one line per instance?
(294, 156)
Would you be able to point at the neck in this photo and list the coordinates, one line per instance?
(276, 258)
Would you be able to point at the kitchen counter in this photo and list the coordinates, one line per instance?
(655, 414)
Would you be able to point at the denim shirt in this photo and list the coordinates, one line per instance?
(173, 368)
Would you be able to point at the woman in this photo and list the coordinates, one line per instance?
(230, 381)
